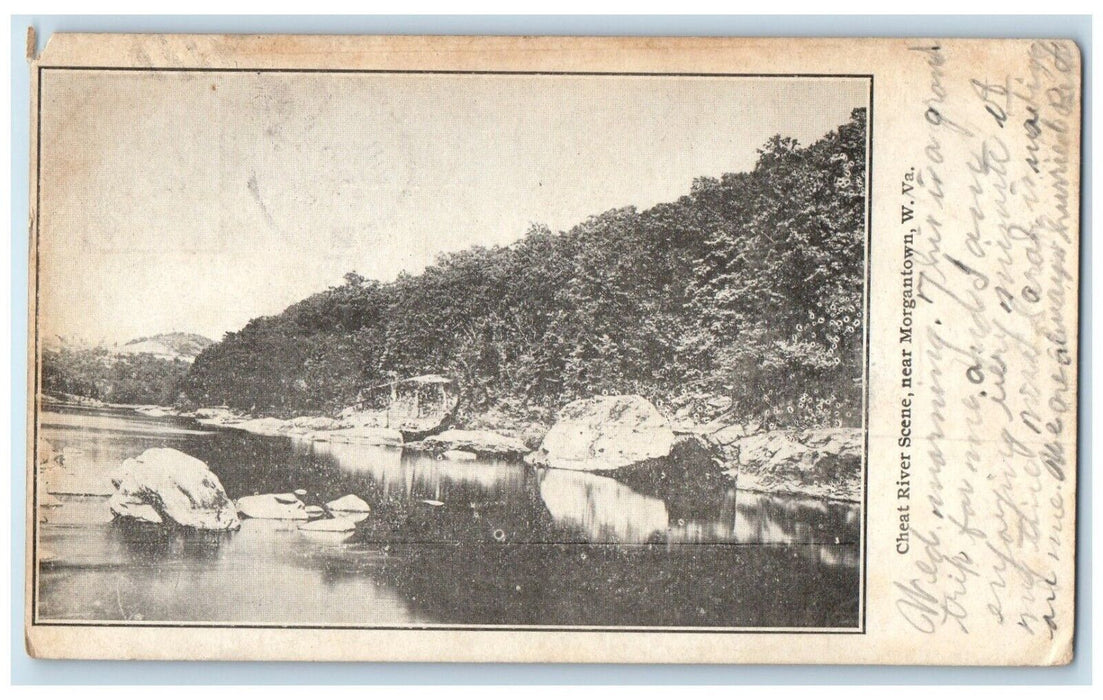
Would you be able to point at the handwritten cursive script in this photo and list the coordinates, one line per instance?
(992, 250)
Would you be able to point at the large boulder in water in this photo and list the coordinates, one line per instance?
(605, 433)
(825, 463)
(166, 485)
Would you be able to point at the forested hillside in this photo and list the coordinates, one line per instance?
(747, 289)
(145, 370)
(97, 373)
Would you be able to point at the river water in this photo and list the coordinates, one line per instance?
(447, 543)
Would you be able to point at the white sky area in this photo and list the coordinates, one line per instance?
(196, 201)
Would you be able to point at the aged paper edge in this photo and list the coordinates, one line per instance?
(434, 54)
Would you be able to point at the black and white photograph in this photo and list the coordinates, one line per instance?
(482, 350)
(464, 350)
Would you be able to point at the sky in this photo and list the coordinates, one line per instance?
(196, 201)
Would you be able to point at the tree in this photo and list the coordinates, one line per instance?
(750, 287)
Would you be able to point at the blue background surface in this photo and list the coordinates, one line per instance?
(31, 671)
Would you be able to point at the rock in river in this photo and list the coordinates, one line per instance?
(272, 506)
(605, 433)
(126, 506)
(349, 504)
(483, 443)
(825, 463)
(175, 488)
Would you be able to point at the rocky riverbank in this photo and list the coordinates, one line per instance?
(73, 399)
(615, 435)
(823, 463)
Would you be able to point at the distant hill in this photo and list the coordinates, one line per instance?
(170, 346)
(69, 342)
(143, 371)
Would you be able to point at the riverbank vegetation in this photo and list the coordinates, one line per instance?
(743, 296)
(97, 373)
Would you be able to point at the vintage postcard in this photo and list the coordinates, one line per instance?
(554, 349)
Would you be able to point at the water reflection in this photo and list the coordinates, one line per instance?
(480, 542)
(266, 573)
(107, 420)
(606, 510)
(602, 508)
(415, 474)
(150, 544)
(757, 518)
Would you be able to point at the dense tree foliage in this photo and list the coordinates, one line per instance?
(97, 373)
(748, 289)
